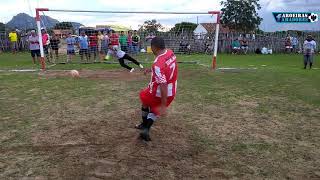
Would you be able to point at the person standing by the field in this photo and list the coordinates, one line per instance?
(13, 38)
(54, 43)
(34, 46)
(162, 88)
(46, 43)
(129, 38)
(114, 39)
(83, 43)
(71, 42)
(123, 42)
(93, 46)
(101, 45)
(136, 42)
(309, 48)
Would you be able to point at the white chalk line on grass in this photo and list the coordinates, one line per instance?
(20, 70)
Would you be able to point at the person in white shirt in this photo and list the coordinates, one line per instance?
(121, 55)
(309, 48)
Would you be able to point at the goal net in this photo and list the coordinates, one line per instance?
(81, 36)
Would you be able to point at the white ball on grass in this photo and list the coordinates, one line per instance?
(74, 73)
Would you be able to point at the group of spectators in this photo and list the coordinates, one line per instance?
(291, 44)
(240, 45)
(49, 43)
(90, 44)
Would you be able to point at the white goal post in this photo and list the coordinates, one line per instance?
(212, 13)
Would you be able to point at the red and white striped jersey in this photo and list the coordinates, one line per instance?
(164, 70)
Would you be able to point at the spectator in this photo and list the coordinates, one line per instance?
(45, 42)
(309, 48)
(114, 39)
(288, 45)
(93, 42)
(123, 42)
(244, 45)
(54, 43)
(150, 37)
(129, 39)
(294, 42)
(101, 45)
(83, 46)
(34, 46)
(106, 42)
(253, 37)
(70, 47)
(135, 41)
(235, 46)
(13, 38)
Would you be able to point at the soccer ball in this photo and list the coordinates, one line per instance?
(74, 74)
(313, 17)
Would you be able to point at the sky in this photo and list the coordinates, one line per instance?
(9, 8)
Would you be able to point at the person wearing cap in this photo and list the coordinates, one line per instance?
(34, 46)
(309, 48)
(13, 38)
(45, 42)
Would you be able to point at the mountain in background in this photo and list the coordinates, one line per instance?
(23, 21)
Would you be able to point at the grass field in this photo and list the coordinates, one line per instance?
(260, 121)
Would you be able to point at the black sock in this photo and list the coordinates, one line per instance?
(149, 123)
(310, 65)
(144, 113)
(305, 65)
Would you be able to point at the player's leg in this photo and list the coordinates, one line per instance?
(46, 52)
(152, 116)
(121, 61)
(305, 61)
(68, 56)
(311, 61)
(144, 114)
(57, 53)
(128, 57)
(73, 53)
(95, 54)
(87, 54)
(81, 52)
(33, 54)
(38, 54)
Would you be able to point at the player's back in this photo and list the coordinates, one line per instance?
(167, 64)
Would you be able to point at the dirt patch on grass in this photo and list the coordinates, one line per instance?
(109, 147)
(278, 143)
(122, 75)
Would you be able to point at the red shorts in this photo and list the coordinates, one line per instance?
(153, 102)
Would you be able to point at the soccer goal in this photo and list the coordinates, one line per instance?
(82, 36)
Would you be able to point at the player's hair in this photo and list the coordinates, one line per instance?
(158, 42)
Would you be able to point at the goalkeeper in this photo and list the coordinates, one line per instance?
(121, 55)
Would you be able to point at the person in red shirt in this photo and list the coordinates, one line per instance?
(162, 88)
(114, 39)
(46, 43)
(93, 46)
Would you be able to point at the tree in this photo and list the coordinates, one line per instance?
(184, 27)
(241, 15)
(63, 25)
(151, 26)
